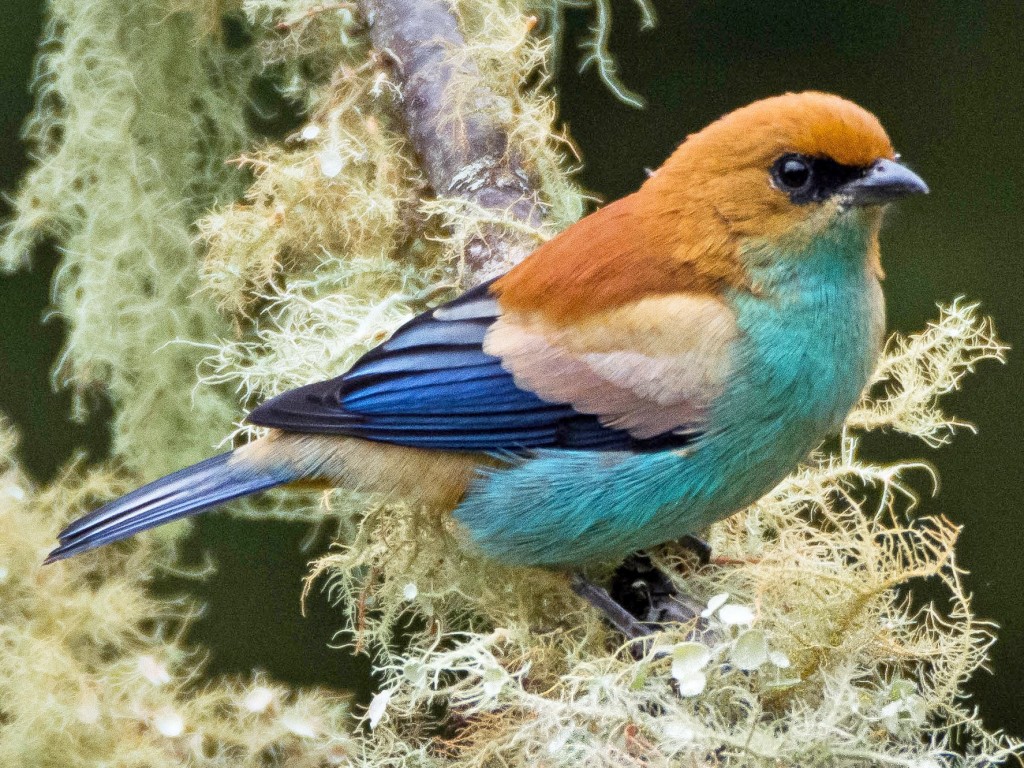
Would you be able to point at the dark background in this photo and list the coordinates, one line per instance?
(947, 80)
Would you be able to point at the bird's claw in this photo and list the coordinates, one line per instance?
(617, 616)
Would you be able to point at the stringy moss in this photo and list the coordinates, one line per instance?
(136, 112)
(92, 671)
(818, 656)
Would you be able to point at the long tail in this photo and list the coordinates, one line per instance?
(183, 493)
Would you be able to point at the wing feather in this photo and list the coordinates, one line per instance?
(463, 377)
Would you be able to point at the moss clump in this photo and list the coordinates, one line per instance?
(92, 671)
(136, 112)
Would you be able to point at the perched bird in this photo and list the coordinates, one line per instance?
(656, 367)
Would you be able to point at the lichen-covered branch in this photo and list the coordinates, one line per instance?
(454, 121)
(349, 228)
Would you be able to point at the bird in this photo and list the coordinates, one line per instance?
(655, 367)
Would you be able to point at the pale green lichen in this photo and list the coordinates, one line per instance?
(819, 658)
(136, 113)
(596, 47)
(918, 370)
(92, 670)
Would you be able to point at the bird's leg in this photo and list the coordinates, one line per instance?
(616, 615)
(641, 599)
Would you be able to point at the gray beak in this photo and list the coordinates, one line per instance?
(883, 182)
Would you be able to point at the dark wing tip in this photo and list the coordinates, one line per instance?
(55, 555)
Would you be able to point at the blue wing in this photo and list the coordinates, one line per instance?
(431, 385)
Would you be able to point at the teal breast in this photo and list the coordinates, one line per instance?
(810, 340)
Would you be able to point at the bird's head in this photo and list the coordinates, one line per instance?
(783, 171)
(758, 185)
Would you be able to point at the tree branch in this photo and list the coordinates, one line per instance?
(464, 155)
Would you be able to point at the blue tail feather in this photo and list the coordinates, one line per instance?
(182, 493)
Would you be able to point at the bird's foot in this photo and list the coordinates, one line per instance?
(625, 622)
(649, 595)
(641, 599)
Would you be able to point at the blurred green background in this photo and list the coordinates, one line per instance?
(947, 80)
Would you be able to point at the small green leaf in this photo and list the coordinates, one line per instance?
(750, 651)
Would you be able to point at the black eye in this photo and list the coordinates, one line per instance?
(791, 172)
